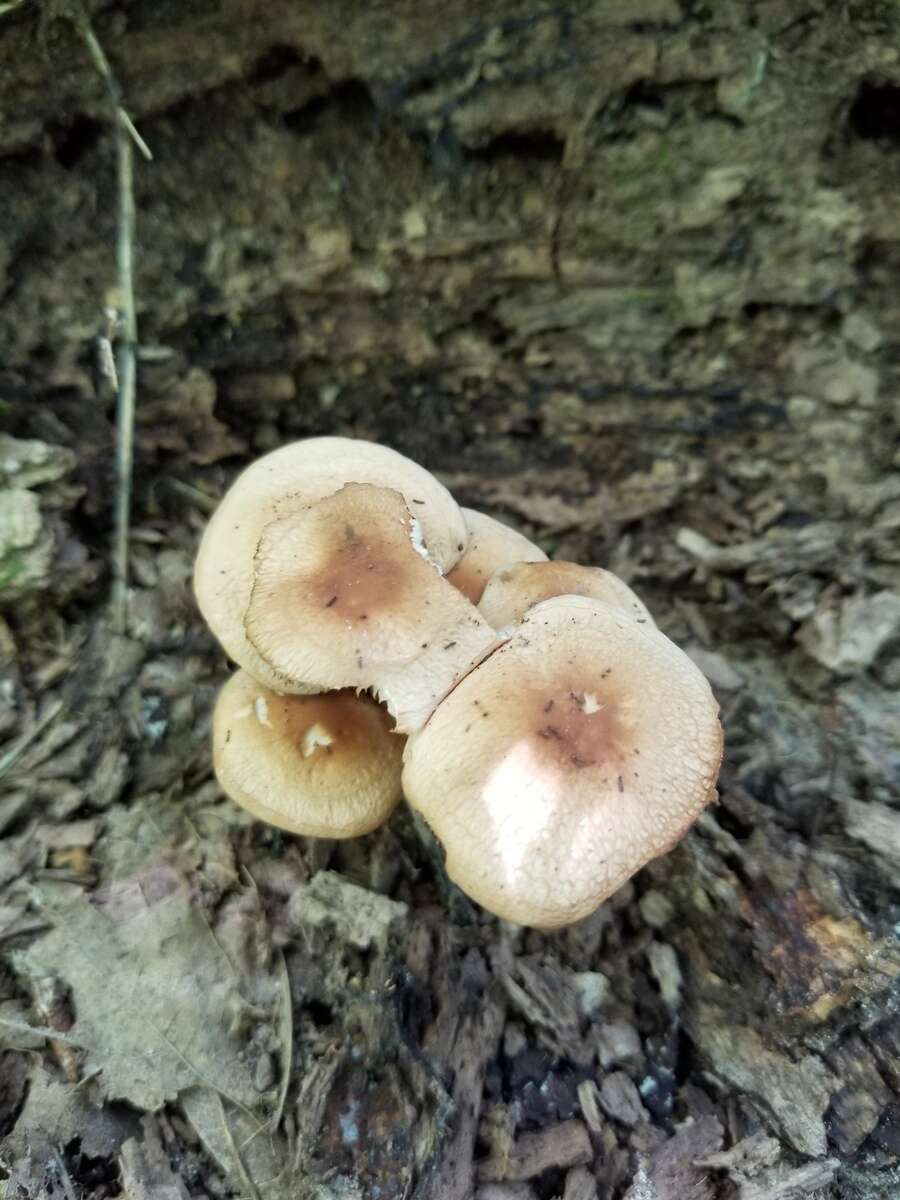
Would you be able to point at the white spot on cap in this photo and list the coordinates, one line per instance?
(262, 711)
(518, 795)
(418, 542)
(315, 738)
(590, 704)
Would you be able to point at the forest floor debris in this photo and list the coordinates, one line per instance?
(654, 325)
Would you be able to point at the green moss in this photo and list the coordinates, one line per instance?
(12, 564)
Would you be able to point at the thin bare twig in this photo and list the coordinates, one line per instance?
(43, 1031)
(287, 1050)
(244, 1175)
(15, 752)
(63, 1175)
(126, 359)
(101, 62)
(206, 503)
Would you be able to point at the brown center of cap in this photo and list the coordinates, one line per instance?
(359, 577)
(580, 728)
(342, 588)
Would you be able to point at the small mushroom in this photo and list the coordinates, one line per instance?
(514, 589)
(491, 545)
(580, 749)
(326, 766)
(289, 479)
(345, 595)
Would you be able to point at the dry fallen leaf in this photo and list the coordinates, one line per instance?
(154, 996)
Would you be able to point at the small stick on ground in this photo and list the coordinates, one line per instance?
(127, 373)
(126, 359)
(11, 757)
(63, 1175)
(287, 1049)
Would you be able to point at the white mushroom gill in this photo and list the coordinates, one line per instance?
(315, 738)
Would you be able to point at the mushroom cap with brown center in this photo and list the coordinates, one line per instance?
(294, 477)
(491, 545)
(326, 766)
(343, 597)
(579, 750)
(514, 589)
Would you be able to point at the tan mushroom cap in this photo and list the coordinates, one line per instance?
(344, 597)
(579, 750)
(326, 766)
(491, 545)
(293, 477)
(516, 588)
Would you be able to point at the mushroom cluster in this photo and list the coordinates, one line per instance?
(390, 643)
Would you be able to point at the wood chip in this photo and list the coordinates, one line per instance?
(620, 1100)
(619, 1042)
(475, 1046)
(357, 916)
(796, 1094)
(589, 1099)
(547, 998)
(505, 1191)
(669, 1171)
(580, 1185)
(875, 825)
(857, 1106)
(145, 1168)
(64, 837)
(747, 1157)
(786, 1183)
(538, 497)
(566, 1144)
